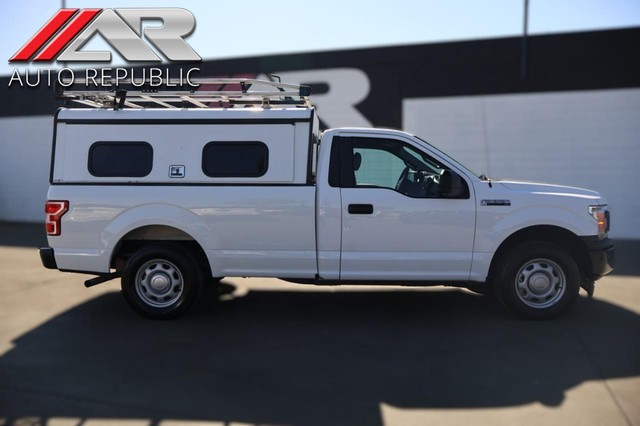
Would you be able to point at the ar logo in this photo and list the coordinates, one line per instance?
(69, 29)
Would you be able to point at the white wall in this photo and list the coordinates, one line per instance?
(25, 155)
(589, 139)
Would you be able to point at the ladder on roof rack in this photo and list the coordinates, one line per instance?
(132, 94)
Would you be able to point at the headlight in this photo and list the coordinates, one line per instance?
(601, 215)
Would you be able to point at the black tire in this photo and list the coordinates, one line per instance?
(537, 280)
(160, 281)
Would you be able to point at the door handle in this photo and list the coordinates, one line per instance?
(361, 208)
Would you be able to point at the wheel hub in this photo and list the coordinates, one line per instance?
(160, 282)
(539, 283)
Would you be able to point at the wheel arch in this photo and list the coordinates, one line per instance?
(138, 237)
(559, 236)
(154, 223)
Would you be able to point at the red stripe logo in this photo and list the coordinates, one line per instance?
(67, 34)
(43, 35)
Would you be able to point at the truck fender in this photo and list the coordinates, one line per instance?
(156, 214)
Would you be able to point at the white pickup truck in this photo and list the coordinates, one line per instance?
(210, 184)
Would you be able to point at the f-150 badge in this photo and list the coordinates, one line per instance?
(496, 202)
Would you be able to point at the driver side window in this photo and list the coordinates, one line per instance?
(392, 164)
(376, 168)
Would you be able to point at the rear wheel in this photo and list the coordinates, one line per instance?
(538, 280)
(160, 281)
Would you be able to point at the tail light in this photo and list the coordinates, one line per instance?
(54, 211)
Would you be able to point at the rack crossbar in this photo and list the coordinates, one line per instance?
(128, 93)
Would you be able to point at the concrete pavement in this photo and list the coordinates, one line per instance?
(274, 353)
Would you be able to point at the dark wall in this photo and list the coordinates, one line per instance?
(558, 62)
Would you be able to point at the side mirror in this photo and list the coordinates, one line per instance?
(452, 185)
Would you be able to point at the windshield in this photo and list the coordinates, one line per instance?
(462, 166)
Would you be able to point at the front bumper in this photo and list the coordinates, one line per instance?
(47, 257)
(602, 253)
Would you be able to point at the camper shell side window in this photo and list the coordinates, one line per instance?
(120, 159)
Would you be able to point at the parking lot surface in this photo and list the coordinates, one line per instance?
(272, 353)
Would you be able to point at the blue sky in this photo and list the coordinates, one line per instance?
(227, 29)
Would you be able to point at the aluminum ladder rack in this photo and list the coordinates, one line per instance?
(242, 92)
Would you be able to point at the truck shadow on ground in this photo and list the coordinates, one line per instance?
(309, 358)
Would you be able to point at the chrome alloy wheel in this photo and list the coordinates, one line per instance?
(159, 283)
(540, 283)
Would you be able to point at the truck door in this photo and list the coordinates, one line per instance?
(405, 215)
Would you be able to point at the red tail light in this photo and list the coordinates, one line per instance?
(54, 211)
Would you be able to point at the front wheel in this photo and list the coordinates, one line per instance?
(160, 281)
(538, 280)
